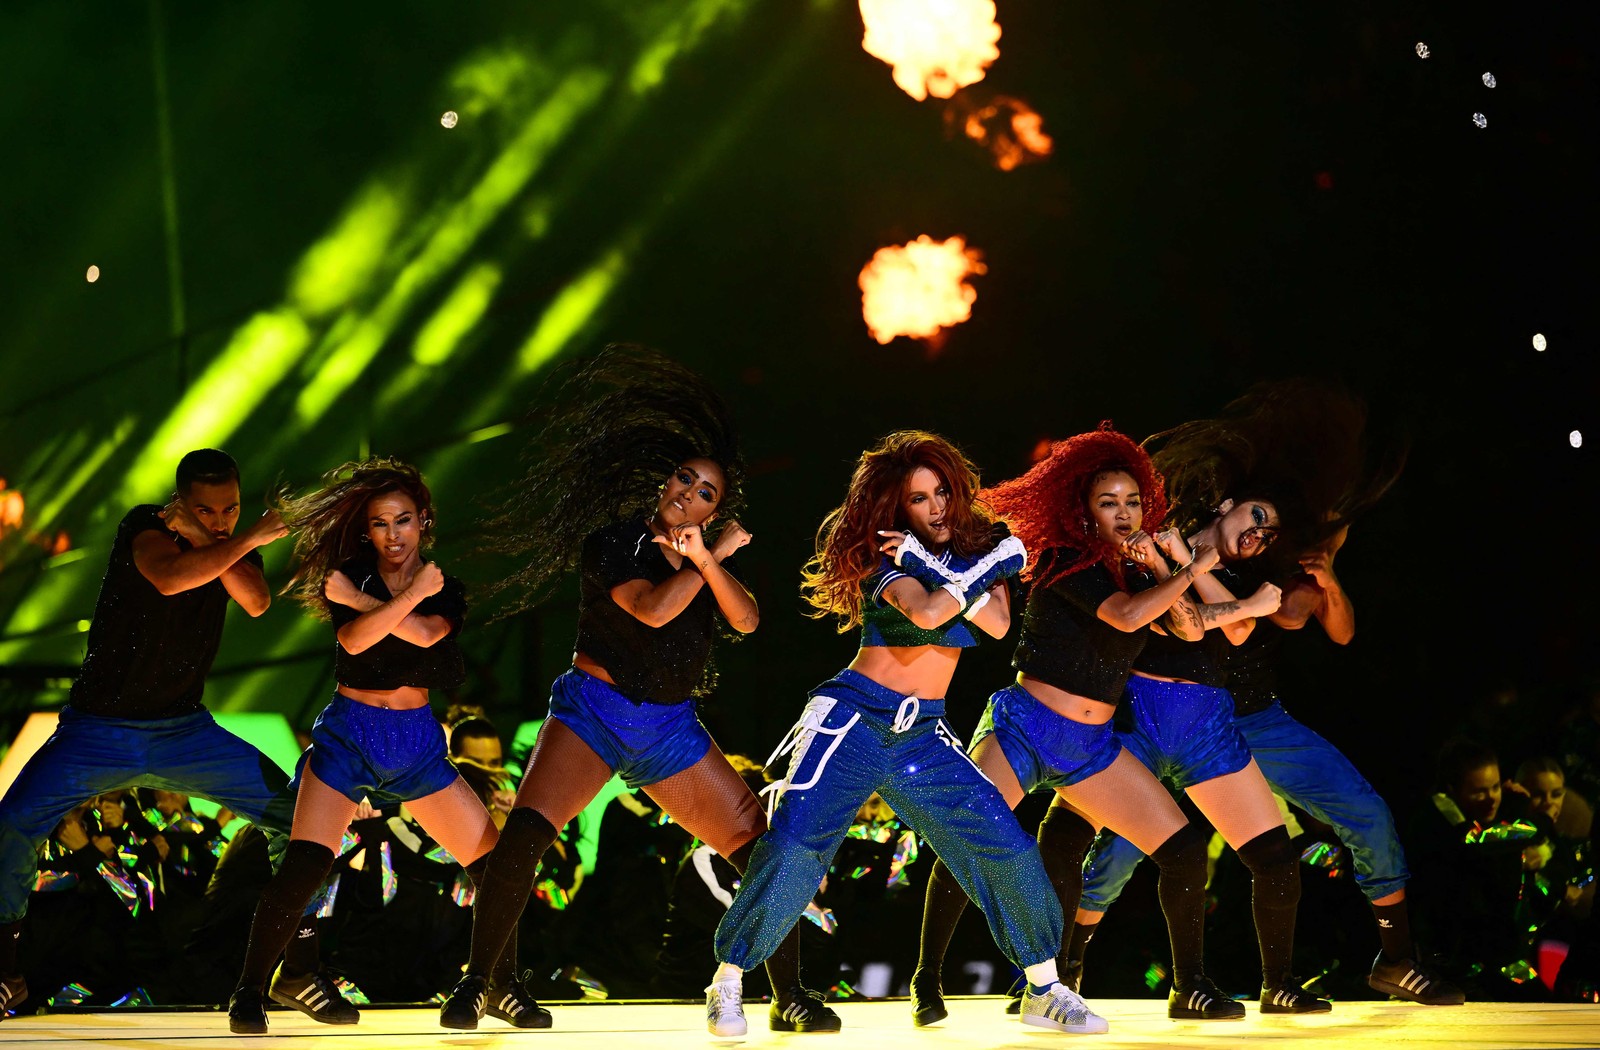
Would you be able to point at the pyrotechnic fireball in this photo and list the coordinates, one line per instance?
(1008, 128)
(919, 289)
(937, 47)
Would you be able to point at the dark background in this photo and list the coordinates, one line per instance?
(1238, 192)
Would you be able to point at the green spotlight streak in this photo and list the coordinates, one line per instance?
(576, 94)
(258, 356)
(87, 466)
(169, 187)
(342, 264)
(680, 37)
(461, 311)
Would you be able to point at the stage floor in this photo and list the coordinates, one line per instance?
(868, 1026)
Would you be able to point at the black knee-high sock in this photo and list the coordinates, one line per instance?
(504, 886)
(505, 967)
(1274, 897)
(278, 913)
(10, 936)
(302, 955)
(1064, 840)
(1182, 890)
(1394, 931)
(783, 966)
(942, 909)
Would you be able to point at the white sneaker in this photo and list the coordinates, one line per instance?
(1061, 1008)
(725, 1008)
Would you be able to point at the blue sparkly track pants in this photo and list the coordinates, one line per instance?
(1312, 774)
(857, 737)
(88, 755)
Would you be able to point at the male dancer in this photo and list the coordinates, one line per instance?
(135, 715)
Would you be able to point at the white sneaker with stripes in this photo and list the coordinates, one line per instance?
(725, 1008)
(1062, 1009)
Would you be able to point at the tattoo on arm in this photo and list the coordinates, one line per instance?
(1214, 612)
(1183, 614)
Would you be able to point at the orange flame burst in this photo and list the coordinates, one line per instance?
(1008, 128)
(920, 288)
(937, 47)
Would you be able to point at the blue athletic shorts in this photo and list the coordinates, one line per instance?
(1045, 749)
(375, 752)
(1183, 732)
(643, 743)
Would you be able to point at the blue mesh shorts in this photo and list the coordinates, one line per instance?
(644, 743)
(1045, 749)
(375, 752)
(1183, 732)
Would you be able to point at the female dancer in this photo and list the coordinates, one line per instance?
(594, 498)
(1098, 584)
(396, 619)
(912, 557)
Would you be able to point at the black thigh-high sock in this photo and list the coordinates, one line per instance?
(283, 902)
(301, 955)
(1182, 890)
(1274, 897)
(1064, 840)
(505, 967)
(942, 909)
(504, 886)
(783, 966)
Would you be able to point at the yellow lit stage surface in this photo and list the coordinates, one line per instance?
(973, 1022)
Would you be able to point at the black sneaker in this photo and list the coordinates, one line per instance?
(1202, 1000)
(515, 1005)
(927, 998)
(464, 1008)
(802, 1010)
(247, 1012)
(1292, 998)
(1014, 995)
(313, 994)
(13, 993)
(1414, 982)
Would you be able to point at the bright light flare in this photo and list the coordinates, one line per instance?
(1576, 438)
(92, 275)
(1539, 342)
(1008, 128)
(937, 47)
(919, 289)
(449, 119)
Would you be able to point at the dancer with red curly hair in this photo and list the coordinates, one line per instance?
(914, 559)
(1089, 508)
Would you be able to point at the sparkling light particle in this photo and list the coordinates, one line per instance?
(449, 119)
(1480, 120)
(1422, 50)
(1539, 342)
(1488, 80)
(1008, 128)
(93, 275)
(918, 289)
(1576, 437)
(936, 47)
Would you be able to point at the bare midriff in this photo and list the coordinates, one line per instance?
(910, 670)
(1164, 678)
(1070, 706)
(406, 698)
(585, 663)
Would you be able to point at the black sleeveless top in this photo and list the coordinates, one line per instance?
(1064, 641)
(392, 662)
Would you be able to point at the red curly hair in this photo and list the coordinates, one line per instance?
(848, 540)
(1048, 507)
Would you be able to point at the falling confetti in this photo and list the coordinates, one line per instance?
(93, 275)
(1480, 120)
(919, 288)
(1576, 437)
(1539, 342)
(1488, 80)
(936, 47)
(1422, 50)
(449, 119)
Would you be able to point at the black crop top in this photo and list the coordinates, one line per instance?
(392, 662)
(653, 665)
(1253, 669)
(1066, 644)
(1204, 661)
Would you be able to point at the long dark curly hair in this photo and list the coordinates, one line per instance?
(612, 426)
(1048, 507)
(848, 540)
(330, 521)
(1301, 444)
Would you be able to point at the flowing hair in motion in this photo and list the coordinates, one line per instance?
(1048, 507)
(848, 540)
(330, 522)
(613, 425)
